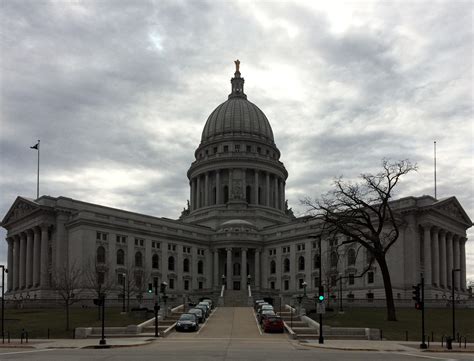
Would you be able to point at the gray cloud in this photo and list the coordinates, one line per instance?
(118, 93)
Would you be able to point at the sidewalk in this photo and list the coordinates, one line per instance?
(79, 343)
(387, 346)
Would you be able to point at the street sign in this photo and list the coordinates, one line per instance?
(321, 308)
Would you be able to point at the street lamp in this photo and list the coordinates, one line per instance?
(249, 278)
(223, 280)
(321, 338)
(4, 270)
(304, 284)
(163, 291)
(123, 299)
(453, 300)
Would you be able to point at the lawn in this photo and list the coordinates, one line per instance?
(38, 321)
(437, 322)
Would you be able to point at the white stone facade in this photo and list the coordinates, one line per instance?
(237, 225)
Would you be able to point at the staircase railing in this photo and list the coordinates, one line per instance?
(222, 290)
(249, 291)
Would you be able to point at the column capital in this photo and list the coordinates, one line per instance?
(244, 249)
(228, 249)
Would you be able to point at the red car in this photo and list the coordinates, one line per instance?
(273, 324)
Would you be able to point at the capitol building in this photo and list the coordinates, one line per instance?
(237, 229)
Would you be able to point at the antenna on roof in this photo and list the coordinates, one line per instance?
(435, 193)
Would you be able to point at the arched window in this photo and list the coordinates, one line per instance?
(226, 194)
(120, 257)
(316, 262)
(154, 261)
(236, 269)
(259, 195)
(301, 263)
(170, 263)
(138, 259)
(186, 265)
(286, 265)
(334, 259)
(351, 257)
(272, 267)
(248, 194)
(214, 195)
(200, 267)
(100, 254)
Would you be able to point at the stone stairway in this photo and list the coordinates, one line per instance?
(233, 298)
(170, 320)
(299, 327)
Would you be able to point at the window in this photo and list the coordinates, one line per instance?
(286, 265)
(101, 236)
(200, 267)
(226, 148)
(155, 244)
(301, 263)
(300, 247)
(138, 259)
(121, 239)
(100, 254)
(171, 263)
(120, 279)
(248, 193)
(186, 285)
(351, 279)
(215, 150)
(154, 261)
(171, 247)
(272, 267)
(237, 147)
(316, 262)
(316, 281)
(272, 252)
(286, 285)
(186, 249)
(285, 249)
(370, 277)
(236, 269)
(186, 265)
(300, 283)
(272, 285)
(200, 252)
(138, 280)
(171, 283)
(200, 285)
(259, 150)
(226, 194)
(139, 242)
(249, 148)
(334, 259)
(351, 257)
(370, 257)
(120, 257)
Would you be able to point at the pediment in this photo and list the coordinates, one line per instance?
(452, 208)
(20, 209)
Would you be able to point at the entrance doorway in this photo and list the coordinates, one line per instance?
(237, 285)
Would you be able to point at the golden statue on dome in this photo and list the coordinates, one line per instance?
(237, 65)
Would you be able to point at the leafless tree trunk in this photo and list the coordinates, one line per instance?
(363, 213)
(97, 280)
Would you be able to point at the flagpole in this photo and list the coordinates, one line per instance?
(38, 173)
(435, 193)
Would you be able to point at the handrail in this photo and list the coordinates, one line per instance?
(250, 291)
(222, 290)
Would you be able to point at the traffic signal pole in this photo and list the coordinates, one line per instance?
(423, 344)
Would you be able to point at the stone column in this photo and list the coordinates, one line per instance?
(449, 258)
(244, 184)
(179, 268)
(194, 270)
(267, 190)
(257, 268)
(22, 263)
(442, 259)
(198, 192)
(243, 270)
(216, 268)
(10, 264)
(36, 256)
(282, 194)
(193, 194)
(256, 187)
(206, 189)
(61, 241)
(463, 263)
(275, 192)
(229, 268)
(456, 261)
(16, 262)
(218, 187)
(29, 258)
(44, 256)
(427, 254)
(230, 183)
(435, 256)
(164, 261)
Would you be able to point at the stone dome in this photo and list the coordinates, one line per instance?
(237, 116)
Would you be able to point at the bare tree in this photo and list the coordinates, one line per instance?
(67, 282)
(97, 279)
(363, 213)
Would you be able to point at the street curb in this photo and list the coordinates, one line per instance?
(351, 349)
(117, 346)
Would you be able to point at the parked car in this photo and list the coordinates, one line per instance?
(187, 322)
(264, 307)
(204, 309)
(209, 301)
(257, 302)
(260, 305)
(199, 313)
(273, 324)
(265, 313)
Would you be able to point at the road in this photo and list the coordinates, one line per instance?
(230, 334)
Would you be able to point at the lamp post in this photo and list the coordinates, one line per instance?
(123, 299)
(249, 278)
(223, 280)
(156, 308)
(4, 270)
(304, 284)
(453, 300)
(163, 291)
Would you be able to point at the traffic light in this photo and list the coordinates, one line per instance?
(416, 293)
(150, 288)
(419, 306)
(321, 297)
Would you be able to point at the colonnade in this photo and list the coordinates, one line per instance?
(442, 252)
(28, 259)
(257, 187)
(243, 271)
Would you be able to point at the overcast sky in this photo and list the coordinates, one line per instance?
(118, 92)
